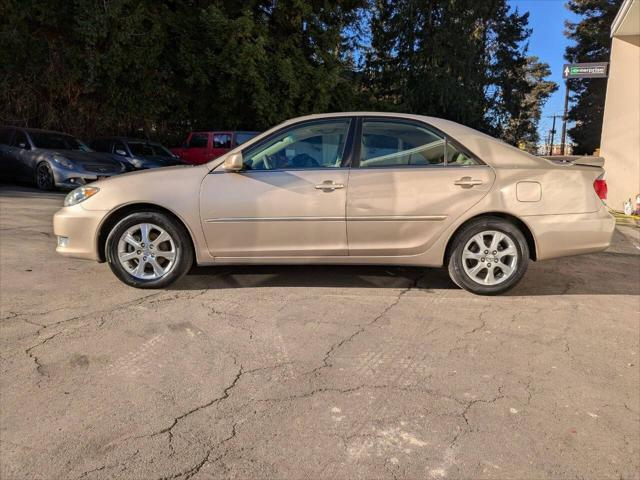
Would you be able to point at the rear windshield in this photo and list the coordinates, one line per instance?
(140, 148)
(57, 141)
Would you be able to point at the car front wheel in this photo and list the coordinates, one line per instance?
(488, 256)
(44, 177)
(149, 250)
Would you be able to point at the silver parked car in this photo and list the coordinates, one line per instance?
(138, 153)
(52, 159)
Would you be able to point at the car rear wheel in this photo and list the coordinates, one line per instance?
(44, 177)
(489, 256)
(149, 250)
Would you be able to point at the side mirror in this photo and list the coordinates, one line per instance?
(22, 145)
(121, 153)
(234, 162)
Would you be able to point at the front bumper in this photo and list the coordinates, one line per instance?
(70, 179)
(76, 231)
(571, 234)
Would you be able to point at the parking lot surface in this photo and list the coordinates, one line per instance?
(313, 372)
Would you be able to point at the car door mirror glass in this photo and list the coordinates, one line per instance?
(121, 152)
(234, 162)
(23, 146)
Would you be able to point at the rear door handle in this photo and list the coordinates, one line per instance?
(467, 182)
(328, 185)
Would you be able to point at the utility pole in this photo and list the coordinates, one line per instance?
(564, 117)
(553, 133)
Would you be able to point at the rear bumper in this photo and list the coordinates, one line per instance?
(571, 234)
(76, 231)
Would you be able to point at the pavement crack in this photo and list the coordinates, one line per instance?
(363, 327)
(225, 394)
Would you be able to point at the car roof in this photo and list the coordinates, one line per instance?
(36, 130)
(128, 139)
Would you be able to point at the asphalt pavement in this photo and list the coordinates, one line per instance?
(313, 372)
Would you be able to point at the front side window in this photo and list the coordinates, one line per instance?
(221, 140)
(393, 143)
(317, 144)
(198, 140)
(20, 140)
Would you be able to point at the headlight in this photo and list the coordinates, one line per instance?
(64, 162)
(79, 195)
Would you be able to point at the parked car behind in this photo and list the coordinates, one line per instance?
(202, 147)
(52, 159)
(138, 153)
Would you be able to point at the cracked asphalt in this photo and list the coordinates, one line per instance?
(313, 372)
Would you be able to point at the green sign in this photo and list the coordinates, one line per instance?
(586, 70)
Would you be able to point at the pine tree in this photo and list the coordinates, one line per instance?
(458, 59)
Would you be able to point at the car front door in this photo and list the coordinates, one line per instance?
(22, 159)
(6, 159)
(197, 148)
(409, 182)
(288, 201)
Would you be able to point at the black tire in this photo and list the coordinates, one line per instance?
(466, 234)
(44, 178)
(178, 233)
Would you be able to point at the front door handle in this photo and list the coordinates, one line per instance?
(329, 186)
(467, 182)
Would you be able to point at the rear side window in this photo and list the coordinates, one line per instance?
(221, 140)
(455, 156)
(198, 140)
(6, 134)
(394, 143)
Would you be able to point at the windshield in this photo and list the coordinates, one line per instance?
(57, 141)
(140, 148)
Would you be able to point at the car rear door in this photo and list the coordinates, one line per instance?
(402, 192)
(290, 199)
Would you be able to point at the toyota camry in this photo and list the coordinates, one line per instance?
(347, 188)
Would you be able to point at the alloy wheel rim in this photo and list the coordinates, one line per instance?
(44, 176)
(146, 251)
(490, 257)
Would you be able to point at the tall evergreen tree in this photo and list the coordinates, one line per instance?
(459, 59)
(592, 44)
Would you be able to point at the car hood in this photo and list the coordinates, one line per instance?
(158, 161)
(86, 158)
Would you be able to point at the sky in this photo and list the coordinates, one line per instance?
(547, 41)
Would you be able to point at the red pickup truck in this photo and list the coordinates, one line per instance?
(201, 147)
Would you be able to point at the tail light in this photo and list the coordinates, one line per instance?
(600, 186)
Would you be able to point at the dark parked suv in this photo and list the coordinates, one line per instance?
(138, 153)
(52, 159)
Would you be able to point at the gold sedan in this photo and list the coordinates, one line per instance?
(347, 188)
